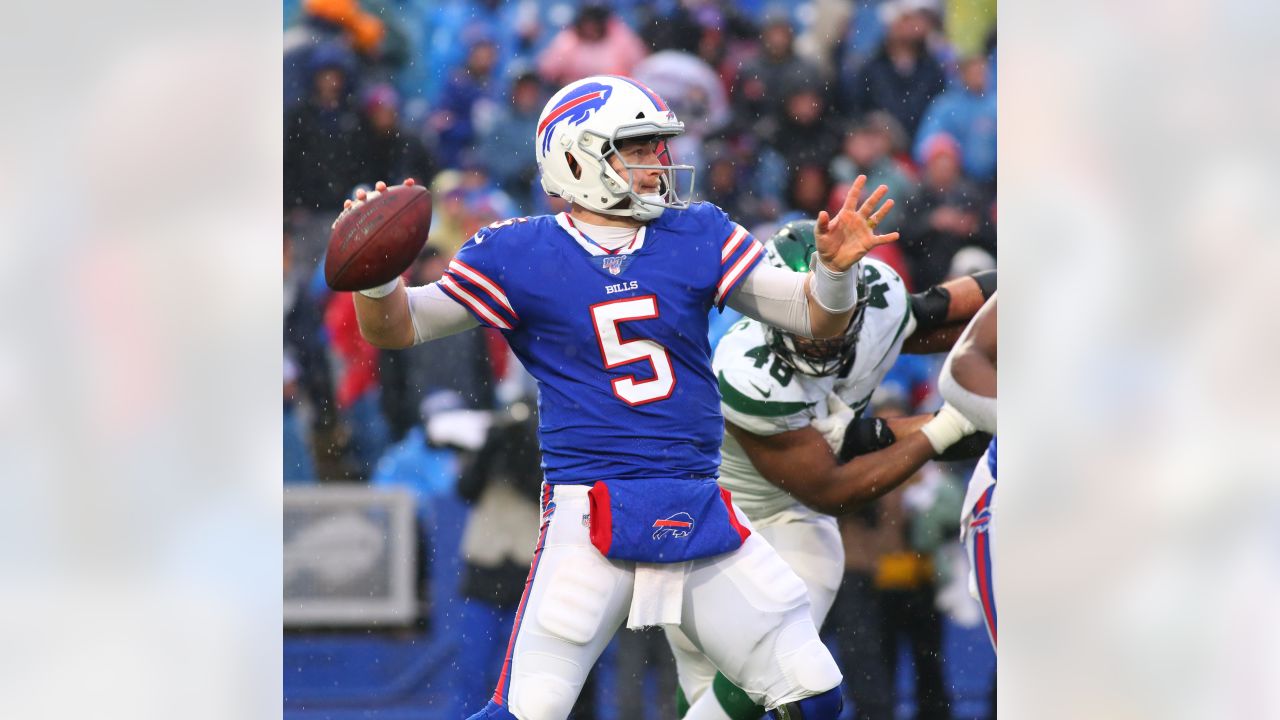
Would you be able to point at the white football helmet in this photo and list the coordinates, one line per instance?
(585, 121)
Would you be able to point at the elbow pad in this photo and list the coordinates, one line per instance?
(930, 307)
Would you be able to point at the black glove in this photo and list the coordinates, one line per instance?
(864, 435)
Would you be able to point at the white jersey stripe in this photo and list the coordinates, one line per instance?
(732, 243)
(483, 281)
(471, 301)
(738, 268)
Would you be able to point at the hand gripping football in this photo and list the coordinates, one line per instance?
(377, 240)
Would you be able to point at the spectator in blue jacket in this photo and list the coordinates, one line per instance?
(508, 144)
(966, 112)
(470, 94)
(902, 77)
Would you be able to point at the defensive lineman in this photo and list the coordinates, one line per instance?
(606, 306)
(792, 462)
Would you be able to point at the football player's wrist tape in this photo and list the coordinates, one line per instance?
(836, 292)
(382, 290)
(946, 428)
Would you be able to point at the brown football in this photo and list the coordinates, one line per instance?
(379, 239)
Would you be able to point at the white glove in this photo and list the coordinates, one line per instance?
(833, 425)
(947, 428)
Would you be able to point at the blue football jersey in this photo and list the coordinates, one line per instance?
(616, 340)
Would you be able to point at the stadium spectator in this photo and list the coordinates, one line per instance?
(728, 185)
(903, 76)
(867, 150)
(762, 85)
(469, 97)
(966, 112)
(820, 42)
(325, 24)
(809, 190)
(805, 135)
(598, 43)
(508, 145)
(388, 150)
(947, 215)
(322, 158)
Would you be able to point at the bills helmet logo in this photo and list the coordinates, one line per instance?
(574, 108)
(676, 526)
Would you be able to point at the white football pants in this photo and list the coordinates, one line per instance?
(746, 611)
(809, 543)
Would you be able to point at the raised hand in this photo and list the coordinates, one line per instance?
(850, 235)
(362, 196)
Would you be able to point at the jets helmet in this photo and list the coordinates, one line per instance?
(793, 247)
(579, 129)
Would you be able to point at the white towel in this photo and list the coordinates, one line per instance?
(658, 594)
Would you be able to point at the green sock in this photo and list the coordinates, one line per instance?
(736, 704)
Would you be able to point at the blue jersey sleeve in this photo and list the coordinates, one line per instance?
(475, 279)
(739, 254)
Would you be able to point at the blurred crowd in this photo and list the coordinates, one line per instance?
(784, 105)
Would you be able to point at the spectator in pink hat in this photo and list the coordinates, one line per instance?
(950, 214)
(597, 43)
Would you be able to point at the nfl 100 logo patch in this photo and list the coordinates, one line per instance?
(615, 264)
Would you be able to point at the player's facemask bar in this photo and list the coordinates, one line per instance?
(675, 184)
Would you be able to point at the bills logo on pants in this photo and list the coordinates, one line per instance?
(677, 526)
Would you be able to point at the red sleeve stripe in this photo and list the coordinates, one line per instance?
(736, 273)
(732, 243)
(483, 282)
(473, 303)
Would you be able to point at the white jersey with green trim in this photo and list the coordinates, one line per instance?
(762, 395)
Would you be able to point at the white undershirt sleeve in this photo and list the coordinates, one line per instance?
(435, 314)
(775, 297)
(979, 409)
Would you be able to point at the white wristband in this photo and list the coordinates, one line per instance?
(835, 292)
(947, 428)
(382, 290)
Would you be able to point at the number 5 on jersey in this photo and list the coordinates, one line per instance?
(615, 351)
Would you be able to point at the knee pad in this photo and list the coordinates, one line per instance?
(540, 697)
(823, 706)
(806, 662)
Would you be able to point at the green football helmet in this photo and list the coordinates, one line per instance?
(792, 248)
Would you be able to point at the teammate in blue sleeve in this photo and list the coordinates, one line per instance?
(606, 306)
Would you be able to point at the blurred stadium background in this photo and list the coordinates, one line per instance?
(410, 499)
